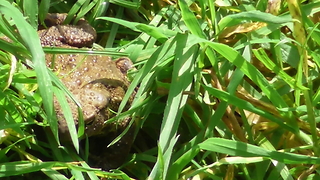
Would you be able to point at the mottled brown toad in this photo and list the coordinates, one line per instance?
(97, 82)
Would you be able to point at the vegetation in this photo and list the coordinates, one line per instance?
(227, 89)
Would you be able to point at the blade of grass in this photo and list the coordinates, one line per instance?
(139, 27)
(264, 58)
(127, 4)
(68, 117)
(32, 42)
(237, 148)
(114, 28)
(86, 9)
(300, 35)
(235, 19)
(53, 174)
(257, 77)
(24, 167)
(43, 9)
(176, 167)
(30, 9)
(182, 79)
(279, 167)
(224, 96)
(193, 25)
(190, 20)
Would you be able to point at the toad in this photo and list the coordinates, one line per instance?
(97, 82)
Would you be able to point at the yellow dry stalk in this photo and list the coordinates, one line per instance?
(299, 33)
(273, 7)
(300, 36)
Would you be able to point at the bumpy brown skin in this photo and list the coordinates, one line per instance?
(97, 82)
(58, 34)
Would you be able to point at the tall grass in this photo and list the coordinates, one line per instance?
(226, 89)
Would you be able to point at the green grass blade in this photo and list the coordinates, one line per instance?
(68, 116)
(237, 148)
(190, 20)
(224, 96)
(249, 70)
(263, 57)
(176, 167)
(182, 80)
(30, 9)
(53, 174)
(43, 9)
(32, 42)
(157, 32)
(23, 167)
(258, 16)
(127, 4)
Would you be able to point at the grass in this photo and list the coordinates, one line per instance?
(227, 89)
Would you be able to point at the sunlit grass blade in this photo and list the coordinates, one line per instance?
(68, 116)
(32, 42)
(249, 70)
(256, 76)
(75, 8)
(258, 16)
(279, 166)
(236, 148)
(224, 96)
(218, 90)
(190, 20)
(262, 56)
(176, 167)
(127, 4)
(43, 10)
(153, 31)
(53, 174)
(31, 11)
(86, 9)
(182, 80)
(23, 167)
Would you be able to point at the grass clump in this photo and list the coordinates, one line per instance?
(227, 89)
